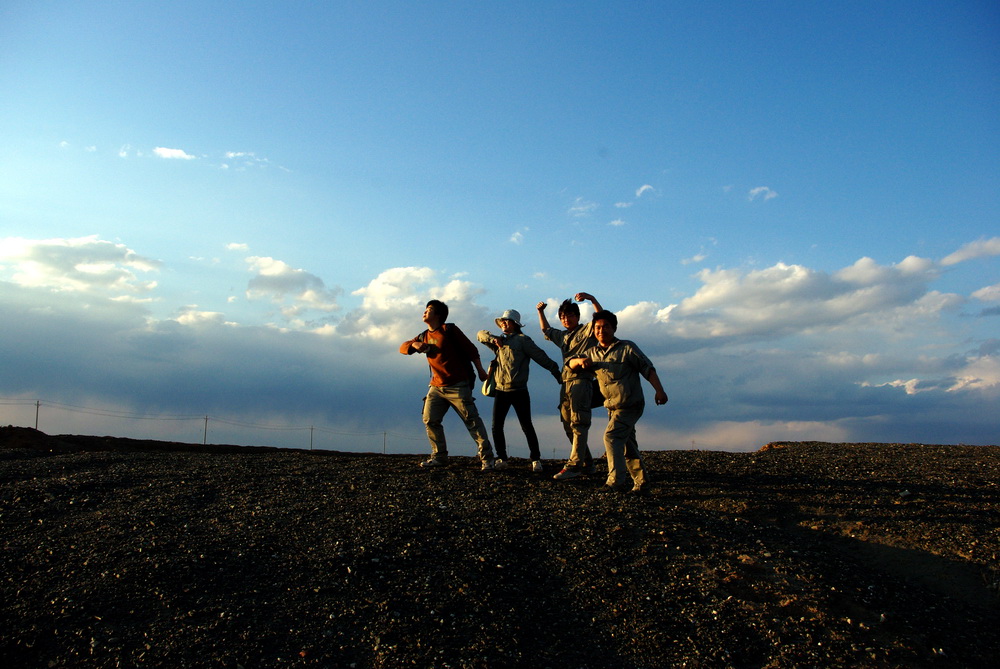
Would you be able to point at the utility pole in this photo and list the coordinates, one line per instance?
(38, 403)
(205, 440)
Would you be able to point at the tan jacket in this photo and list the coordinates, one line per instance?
(514, 357)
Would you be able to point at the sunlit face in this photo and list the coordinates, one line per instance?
(507, 325)
(430, 316)
(604, 332)
(569, 321)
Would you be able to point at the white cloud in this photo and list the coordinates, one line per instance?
(762, 191)
(697, 258)
(82, 264)
(517, 237)
(172, 154)
(296, 290)
(582, 208)
(624, 205)
(979, 249)
(617, 223)
(124, 151)
(642, 190)
(988, 293)
(237, 246)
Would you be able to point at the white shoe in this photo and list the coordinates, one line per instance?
(500, 464)
(536, 466)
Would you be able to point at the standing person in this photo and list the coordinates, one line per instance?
(618, 364)
(451, 357)
(515, 351)
(576, 392)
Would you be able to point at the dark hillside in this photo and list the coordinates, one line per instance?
(119, 552)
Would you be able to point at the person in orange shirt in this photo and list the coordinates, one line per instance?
(451, 357)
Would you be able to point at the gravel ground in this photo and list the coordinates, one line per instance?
(119, 552)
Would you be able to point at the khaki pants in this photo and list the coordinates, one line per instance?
(575, 413)
(459, 397)
(622, 449)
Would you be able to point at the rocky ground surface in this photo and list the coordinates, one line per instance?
(118, 552)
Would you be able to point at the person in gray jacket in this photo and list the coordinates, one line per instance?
(515, 351)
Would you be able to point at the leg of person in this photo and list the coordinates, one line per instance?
(633, 459)
(501, 406)
(579, 392)
(435, 407)
(522, 407)
(566, 413)
(461, 398)
(621, 424)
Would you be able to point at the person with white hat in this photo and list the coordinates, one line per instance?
(515, 351)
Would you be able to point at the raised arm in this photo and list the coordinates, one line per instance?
(580, 297)
(543, 322)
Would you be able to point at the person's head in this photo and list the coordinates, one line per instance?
(510, 322)
(605, 326)
(569, 314)
(436, 311)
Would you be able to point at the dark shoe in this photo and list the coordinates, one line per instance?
(433, 462)
(640, 491)
(590, 469)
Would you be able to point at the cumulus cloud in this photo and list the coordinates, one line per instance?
(762, 192)
(296, 290)
(393, 302)
(237, 246)
(518, 236)
(979, 249)
(172, 154)
(785, 299)
(82, 265)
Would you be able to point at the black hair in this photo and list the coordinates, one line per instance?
(606, 316)
(440, 308)
(569, 307)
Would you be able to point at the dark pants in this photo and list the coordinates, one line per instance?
(521, 401)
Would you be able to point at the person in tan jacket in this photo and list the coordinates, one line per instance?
(514, 352)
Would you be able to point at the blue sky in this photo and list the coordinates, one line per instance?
(239, 209)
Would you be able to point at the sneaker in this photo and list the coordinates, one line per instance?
(536, 466)
(488, 465)
(639, 491)
(566, 473)
(500, 464)
(590, 469)
(433, 462)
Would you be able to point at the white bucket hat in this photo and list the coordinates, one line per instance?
(510, 315)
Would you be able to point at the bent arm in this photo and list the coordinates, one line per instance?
(654, 380)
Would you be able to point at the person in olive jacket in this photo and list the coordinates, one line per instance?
(619, 365)
(515, 351)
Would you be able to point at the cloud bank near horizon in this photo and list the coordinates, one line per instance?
(868, 352)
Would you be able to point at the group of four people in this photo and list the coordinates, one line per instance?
(589, 351)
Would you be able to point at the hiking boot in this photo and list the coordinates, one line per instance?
(500, 464)
(536, 466)
(433, 462)
(566, 474)
(488, 465)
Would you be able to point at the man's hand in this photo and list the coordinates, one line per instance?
(419, 346)
(661, 397)
(581, 297)
(541, 306)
